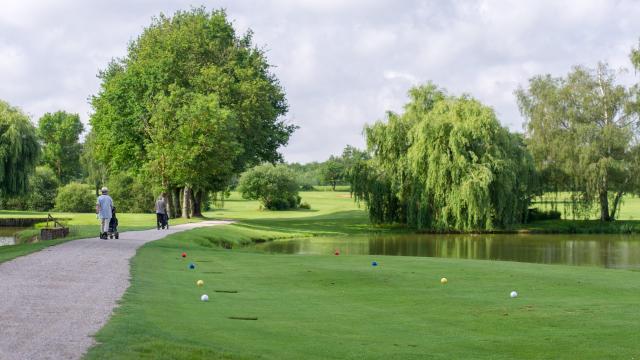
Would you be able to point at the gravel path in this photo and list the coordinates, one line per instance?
(53, 301)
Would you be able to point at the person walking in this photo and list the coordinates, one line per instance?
(104, 204)
(161, 212)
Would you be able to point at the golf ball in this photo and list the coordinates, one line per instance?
(199, 282)
(204, 297)
(184, 255)
(192, 266)
(374, 263)
(513, 294)
(337, 252)
(444, 281)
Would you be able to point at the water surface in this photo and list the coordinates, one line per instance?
(7, 235)
(609, 251)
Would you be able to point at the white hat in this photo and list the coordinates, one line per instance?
(104, 190)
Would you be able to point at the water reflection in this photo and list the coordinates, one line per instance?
(610, 251)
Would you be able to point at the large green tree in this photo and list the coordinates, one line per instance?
(19, 150)
(444, 164)
(190, 105)
(61, 149)
(582, 130)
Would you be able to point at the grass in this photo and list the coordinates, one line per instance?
(319, 307)
(80, 226)
(323, 306)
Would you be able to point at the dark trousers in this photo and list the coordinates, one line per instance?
(161, 220)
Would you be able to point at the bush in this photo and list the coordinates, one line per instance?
(305, 205)
(43, 189)
(130, 194)
(274, 186)
(536, 215)
(307, 187)
(75, 197)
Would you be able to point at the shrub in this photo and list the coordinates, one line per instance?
(274, 186)
(130, 194)
(43, 189)
(536, 214)
(305, 205)
(75, 197)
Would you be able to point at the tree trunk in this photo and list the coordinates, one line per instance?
(616, 203)
(176, 202)
(186, 203)
(604, 206)
(197, 203)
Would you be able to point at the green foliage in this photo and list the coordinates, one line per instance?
(582, 132)
(131, 194)
(75, 197)
(445, 164)
(19, 150)
(43, 189)
(333, 171)
(190, 105)
(96, 172)
(274, 186)
(59, 133)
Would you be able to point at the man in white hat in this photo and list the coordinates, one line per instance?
(103, 209)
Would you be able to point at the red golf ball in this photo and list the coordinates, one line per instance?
(184, 255)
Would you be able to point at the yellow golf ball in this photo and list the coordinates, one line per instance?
(443, 281)
(199, 282)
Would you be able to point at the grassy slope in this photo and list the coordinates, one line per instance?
(342, 307)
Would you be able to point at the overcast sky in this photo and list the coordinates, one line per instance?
(342, 63)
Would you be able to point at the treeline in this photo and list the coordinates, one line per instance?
(446, 164)
(191, 106)
(333, 172)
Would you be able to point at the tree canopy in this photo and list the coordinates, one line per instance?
(582, 131)
(19, 150)
(444, 164)
(61, 149)
(190, 105)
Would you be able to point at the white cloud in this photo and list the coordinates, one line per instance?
(342, 63)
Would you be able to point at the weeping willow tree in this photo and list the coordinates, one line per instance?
(445, 164)
(19, 150)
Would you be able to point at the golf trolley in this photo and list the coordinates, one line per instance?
(162, 221)
(113, 227)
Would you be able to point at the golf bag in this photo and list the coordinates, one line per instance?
(162, 221)
(113, 225)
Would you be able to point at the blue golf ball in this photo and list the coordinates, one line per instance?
(374, 263)
(192, 266)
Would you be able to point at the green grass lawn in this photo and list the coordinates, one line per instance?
(319, 307)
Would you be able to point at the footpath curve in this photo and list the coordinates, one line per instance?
(52, 302)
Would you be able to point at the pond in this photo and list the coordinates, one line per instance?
(609, 251)
(7, 235)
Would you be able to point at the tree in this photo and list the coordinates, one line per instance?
(582, 133)
(190, 105)
(131, 193)
(445, 164)
(95, 170)
(19, 150)
(333, 171)
(43, 189)
(60, 134)
(274, 186)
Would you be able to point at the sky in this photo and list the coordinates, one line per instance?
(342, 63)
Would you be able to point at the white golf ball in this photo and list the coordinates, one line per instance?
(514, 294)
(204, 297)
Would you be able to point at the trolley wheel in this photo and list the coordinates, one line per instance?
(117, 236)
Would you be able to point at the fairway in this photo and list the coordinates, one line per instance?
(327, 306)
